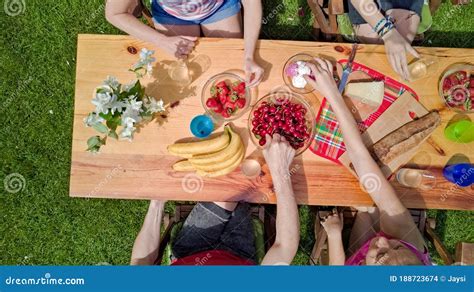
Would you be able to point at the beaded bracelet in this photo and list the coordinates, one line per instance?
(388, 26)
(376, 27)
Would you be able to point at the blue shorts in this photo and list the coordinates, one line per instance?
(227, 9)
(384, 6)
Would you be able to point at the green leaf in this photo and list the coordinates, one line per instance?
(213, 90)
(107, 116)
(94, 143)
(113, 134)
(101, 128)
(112, 124)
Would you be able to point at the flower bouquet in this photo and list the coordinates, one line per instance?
(119, 109)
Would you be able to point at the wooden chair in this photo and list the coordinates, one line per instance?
(426, 226)
(265, 215)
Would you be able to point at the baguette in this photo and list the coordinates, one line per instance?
(406, 137)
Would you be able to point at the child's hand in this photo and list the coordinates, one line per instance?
(396, 47)
(333, 224)
(279, 155)
(179, 46)
(323, 81)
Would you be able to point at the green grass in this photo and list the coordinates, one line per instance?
(41, 224)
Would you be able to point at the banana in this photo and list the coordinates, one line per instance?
(183, 165)
(201, 147)
(222, 171)
(182, 155)
(221, 156)
(221, 164)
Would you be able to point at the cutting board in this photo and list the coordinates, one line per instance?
(405, 109)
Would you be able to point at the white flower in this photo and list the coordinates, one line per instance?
(155, 106)
(129, 86)
(127, 133)
(145, 62)
(112, 82)
(134, 104)
(93, 119)
(130, 116)
(105, 100)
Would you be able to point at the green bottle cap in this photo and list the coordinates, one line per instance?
(460, 131)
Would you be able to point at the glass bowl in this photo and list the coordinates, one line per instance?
(453, 91)
(277, 99)
(229, 78)
(288, 68)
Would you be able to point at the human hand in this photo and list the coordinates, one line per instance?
(178, 46)
(323, 72)
(333, 223)
(253, 73)
(279, 155)
(396, 47)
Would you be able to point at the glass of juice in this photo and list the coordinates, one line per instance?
(416, 178)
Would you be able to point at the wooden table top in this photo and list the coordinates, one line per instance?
(142, 169)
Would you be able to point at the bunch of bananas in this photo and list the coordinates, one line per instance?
(210, 158)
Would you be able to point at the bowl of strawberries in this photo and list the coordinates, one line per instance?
(284, 113)
(456, 87)
(225, 97)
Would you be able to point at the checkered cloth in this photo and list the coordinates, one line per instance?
(328, 141)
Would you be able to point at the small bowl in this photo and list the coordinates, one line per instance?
(288, 79)
(469, 69)
(274, 98)
(206, 93)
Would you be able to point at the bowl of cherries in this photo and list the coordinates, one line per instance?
(284, 113)
(225, 97)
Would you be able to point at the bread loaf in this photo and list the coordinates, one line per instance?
(406, 137)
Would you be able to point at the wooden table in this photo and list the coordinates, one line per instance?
(142, 169)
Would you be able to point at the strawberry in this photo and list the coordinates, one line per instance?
(461, 76)
(213, 90)
(241, 87)
(218, 109)
(471, 83)
(224, 90)
(222, 98)
(229, 105)
(221, 84)
(240, 103)
(212, 102)
(225, 114)
(232, 96)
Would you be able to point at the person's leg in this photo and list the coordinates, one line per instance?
(238, 236)
(406, 22)
(178, 30)
(230, 27)
(202, 229)
(365, 227)
(226, 22)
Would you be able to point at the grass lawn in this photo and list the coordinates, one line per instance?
(41, 225)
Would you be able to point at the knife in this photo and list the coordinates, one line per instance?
(348, 69)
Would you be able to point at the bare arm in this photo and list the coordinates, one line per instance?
(279, 155)
(252, 25)
(120, 14)
(333, 226)
(395, 219)
(396, 45)
(147, 244)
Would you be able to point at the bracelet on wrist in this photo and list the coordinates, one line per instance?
(388, 26)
